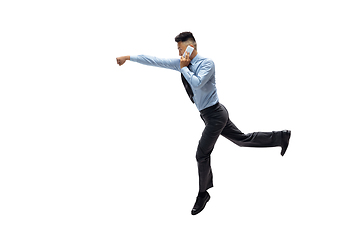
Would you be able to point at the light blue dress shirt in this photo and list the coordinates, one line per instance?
(200, 75)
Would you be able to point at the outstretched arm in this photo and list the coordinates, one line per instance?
(173, 64)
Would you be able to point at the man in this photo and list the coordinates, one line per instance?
(198, 75)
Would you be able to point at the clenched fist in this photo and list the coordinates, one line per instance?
(122, 60)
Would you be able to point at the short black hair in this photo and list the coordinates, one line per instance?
(184, 36)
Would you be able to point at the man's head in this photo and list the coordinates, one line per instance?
(183, 40)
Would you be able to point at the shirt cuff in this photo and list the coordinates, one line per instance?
(184, 69)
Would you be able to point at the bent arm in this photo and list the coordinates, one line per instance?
(173, 64)
(207, 69)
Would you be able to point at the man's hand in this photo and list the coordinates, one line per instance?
(184, 61)
(122, 60)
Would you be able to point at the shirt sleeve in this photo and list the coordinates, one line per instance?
(207, 69)
(173, 64)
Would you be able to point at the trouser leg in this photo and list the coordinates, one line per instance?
(256, 139)
(215, 122)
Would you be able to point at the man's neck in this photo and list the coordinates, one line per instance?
(193, 55)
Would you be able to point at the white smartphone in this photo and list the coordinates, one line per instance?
(189, 49)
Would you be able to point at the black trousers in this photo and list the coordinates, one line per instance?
(217, 123)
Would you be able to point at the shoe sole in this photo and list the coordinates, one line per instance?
(285, 147)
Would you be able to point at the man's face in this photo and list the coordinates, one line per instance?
(181, 47)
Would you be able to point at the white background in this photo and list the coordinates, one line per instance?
(91, 150)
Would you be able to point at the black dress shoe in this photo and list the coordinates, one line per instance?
(285, 138)
(200, 204)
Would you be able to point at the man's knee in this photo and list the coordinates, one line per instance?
(198, 156)
(201, 156)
